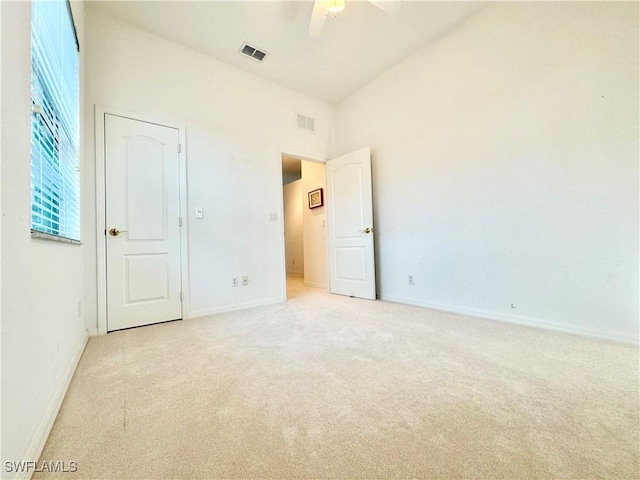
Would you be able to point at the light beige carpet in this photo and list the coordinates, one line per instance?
(332, 387)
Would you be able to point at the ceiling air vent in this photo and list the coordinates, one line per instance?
(253, 52)
(306, 123)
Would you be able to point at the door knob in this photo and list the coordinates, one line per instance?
(114, 232)
(367, 230)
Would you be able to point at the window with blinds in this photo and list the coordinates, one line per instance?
(55, 173)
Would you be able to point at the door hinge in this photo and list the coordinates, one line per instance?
(179, 148)
(180, 221)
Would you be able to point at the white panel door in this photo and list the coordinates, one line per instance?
(350, 225)
(142, 223)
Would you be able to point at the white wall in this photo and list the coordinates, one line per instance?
(237, 125)
(505, 163)
(1, 152)
(314, 220)
(43, 332)
(292, 193)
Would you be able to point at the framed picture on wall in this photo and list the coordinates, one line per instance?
(315, 198)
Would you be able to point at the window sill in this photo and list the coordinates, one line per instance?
(54, 238)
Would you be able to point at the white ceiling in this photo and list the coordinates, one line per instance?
(355, 47)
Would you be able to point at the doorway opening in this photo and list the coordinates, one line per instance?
(305, 237)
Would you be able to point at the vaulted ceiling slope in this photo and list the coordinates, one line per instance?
(355, 46)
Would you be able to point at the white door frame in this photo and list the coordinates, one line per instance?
(101, 238)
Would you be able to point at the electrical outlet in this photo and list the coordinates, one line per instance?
(199, 213)
(245, 281)
(410, 279)
(234, 282)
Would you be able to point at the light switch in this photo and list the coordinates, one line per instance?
(273, 217)
(198, 213)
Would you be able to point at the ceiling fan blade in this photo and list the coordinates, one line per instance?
(387, 6)
(318, 16)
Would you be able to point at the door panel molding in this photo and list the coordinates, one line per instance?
(100, 229)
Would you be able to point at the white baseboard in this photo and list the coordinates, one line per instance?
(230, 308)
(93, 332)
(42, 434)
(315, 285)
(528, 322)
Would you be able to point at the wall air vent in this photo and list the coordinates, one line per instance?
(253, 52)
(306, 123)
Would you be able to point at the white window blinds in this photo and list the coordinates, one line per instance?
(55, 177)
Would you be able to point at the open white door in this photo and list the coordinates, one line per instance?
(350, 225)
(142, 220)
